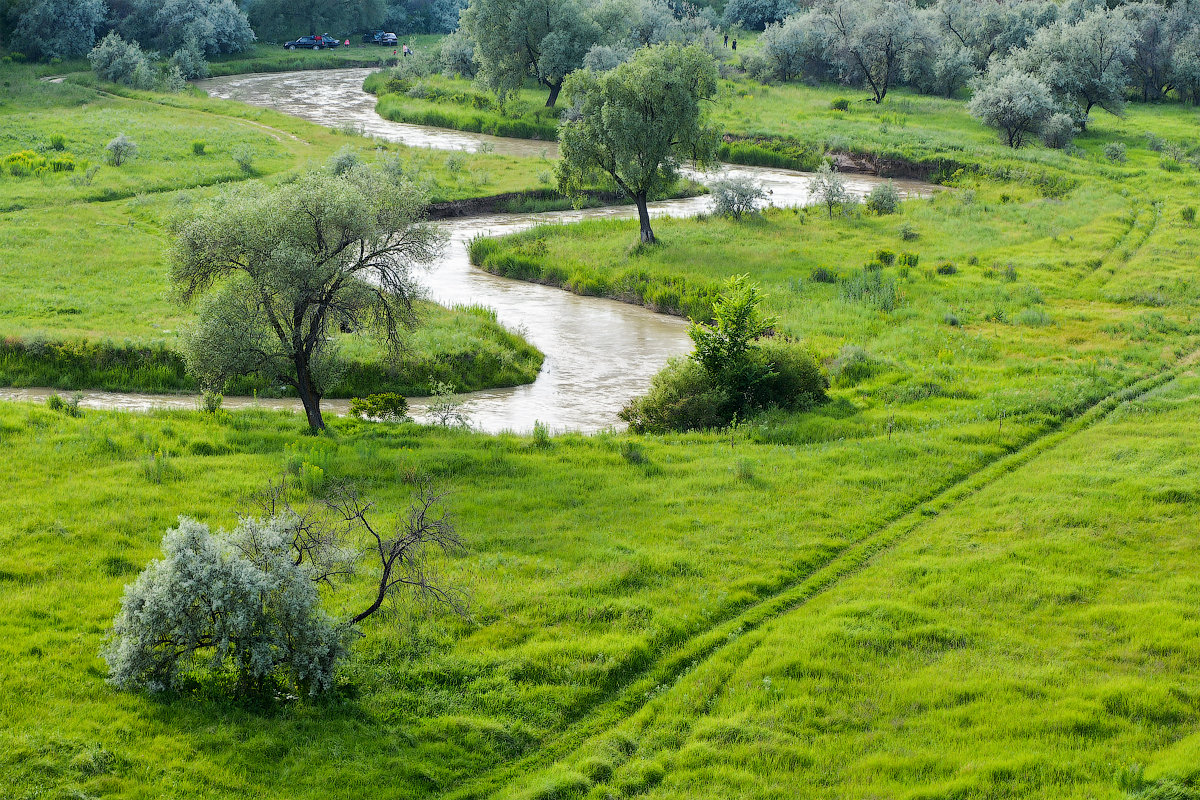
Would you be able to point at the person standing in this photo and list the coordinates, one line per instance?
(407, 52)
(734, 44)
(727, 40)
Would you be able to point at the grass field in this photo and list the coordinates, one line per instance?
(971, 574)
(83, 251)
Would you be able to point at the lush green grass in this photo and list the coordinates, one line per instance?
(454, 103)
(970, 574)
(81, 256)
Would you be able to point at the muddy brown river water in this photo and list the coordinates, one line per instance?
(599, 353)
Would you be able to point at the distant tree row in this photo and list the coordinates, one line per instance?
(1083, 53)
(45, 29)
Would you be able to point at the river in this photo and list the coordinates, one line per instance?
(599, 353)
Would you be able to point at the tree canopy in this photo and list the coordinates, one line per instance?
(515, 39)
(636, 124)
(284, 269)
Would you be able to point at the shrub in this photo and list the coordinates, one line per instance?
(736, 196)
(1115, 152)
(908, 233)
(198, 146)
(1059, 131)
(245, 604)
(58, 142)
(840, 104)
(243, 156)
(884, 198)
(118, 61)
(823, 275)
(909, 260)
(1188, 214)
(120, 150)
(681, 398)
(344, 160)
(210, 401)
(1016, 104)
(946, 269)
(386, 406)
(794, 378)
(885, 257)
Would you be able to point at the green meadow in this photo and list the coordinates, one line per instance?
(87, 301)
(972, 573)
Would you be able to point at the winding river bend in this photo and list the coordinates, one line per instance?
(599, 353)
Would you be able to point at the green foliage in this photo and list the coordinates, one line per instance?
(257, 242)
(736, 196)
(637, 123)
(839, 104)
(120, 150)
(386, 406)
(1116, 152)
(198, 146)
(1188, 214)
(236, 603)
(883, 199)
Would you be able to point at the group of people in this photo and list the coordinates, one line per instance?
(727, 42)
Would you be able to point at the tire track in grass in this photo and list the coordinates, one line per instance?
(520, 778)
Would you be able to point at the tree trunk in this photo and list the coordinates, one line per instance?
(309, 397)
(555, 88)
(644, 218)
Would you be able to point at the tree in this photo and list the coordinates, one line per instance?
(829, 189)
(278, 20)
(736, 195)
(989, 29)
(115, 60)
(515, 39)
(788, 46)
(49, 29)
(637, 123)
(723, 346)
(756, 15)
(288, 267)
(1084, 63)
(215, 26)
(1015, 103)
(247, 603)
(870, 39)
(1185, 66)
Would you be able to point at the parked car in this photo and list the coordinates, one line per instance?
(381, 38)
(309, 42)
(329, 41)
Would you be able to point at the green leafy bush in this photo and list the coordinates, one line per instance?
(1115, 152)
(386, 406)
(840, 104)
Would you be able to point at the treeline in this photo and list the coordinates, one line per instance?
(1081, 54)
(64, 29)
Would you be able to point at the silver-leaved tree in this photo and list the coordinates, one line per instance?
(283, 269)
(247, 603)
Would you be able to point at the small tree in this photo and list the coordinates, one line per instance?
(736, 195)
(118, 61)
(637, 123)
(723, 346)
(120, 150)
(247, 603)
(884, 198)
(829, 189)
(1016, 104)
(288, 267)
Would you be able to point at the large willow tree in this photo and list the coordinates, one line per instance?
(282, 270)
